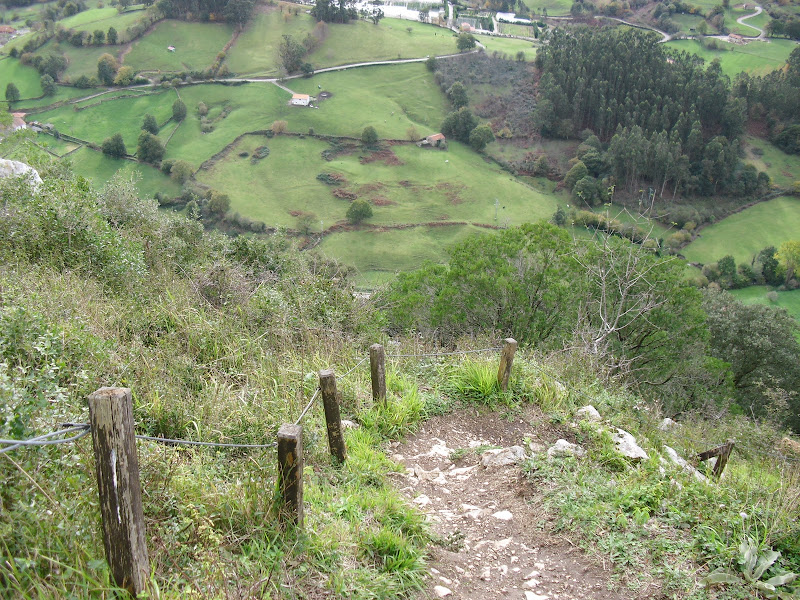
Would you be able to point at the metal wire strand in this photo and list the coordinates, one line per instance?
(443, 353)
(308, 407)
(174, 442)
(43, 440)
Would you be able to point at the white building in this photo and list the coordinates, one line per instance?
(300, 99)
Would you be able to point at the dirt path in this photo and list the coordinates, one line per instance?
(492, 530)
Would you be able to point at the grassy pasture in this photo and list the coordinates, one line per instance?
(197, 45)
(508, 46)
(102, 18)
(56, 146)
(256, 49)
(423, 189)
(99, 169)
(756, 57)
(783, 169)
(122, 115)
(554, 7)
(687, 22)
(82, 61)
(361, 41)
(62, 93)
(379, 255)
(757, 294)
(732, 14)
(746, 233)
(26, 78)
(251, 106)
(391, 98)
(514, 29)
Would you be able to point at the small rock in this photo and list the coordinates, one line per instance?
(667, 424)
(589, 413)
(626, 445)
(533, 574)
(532, 583)
(673, 456)
(441, 591)
(486, 574)
(503, 515)
(536, 447)
(533, 596)
(422, 500)
(504, 457)
(445, 581)
(565, 448)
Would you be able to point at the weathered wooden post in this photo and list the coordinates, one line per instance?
(722, 453)
(506, 360)
(290, 471)
(377, 367)
(117, 466)
(327, 383)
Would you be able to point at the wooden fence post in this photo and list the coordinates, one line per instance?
(506, 360)
(377, 367)
(722, 453)
(290, 471)
(117, 466)
(327, 383)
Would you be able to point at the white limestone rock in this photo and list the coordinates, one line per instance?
(673, 456)
(501, 458)
(564, 448)
(667, 424)
(589, 413)
(14, 168)
(626, 445)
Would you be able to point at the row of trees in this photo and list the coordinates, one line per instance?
(149, 148)
(616, 303)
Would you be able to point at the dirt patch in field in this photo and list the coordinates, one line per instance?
(381, 201)
(494, 536)
(369, 188)
(387, 157)
(344, 194)
(405, 183)
(451, 191)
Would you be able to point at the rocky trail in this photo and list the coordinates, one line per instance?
(493, 535)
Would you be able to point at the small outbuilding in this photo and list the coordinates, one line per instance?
(436, 140)
(18, 121)
(300, 99)
(7, 29)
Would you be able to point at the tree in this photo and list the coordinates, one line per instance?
(149, 149)
(99, 37)
(111, 36)
(758, 344)
(238, 11)
(575, 174)
(48, 85)
(465, 41)
(181, 171)
(459, 124)
(178, 110)
(291, 53)
(53, 64)
(457, 94)
(106, 69)
(788, 257)
(12, 92)
(430, 63)
(369, 137)
(219, 203)
(124, 76)
(114, 146)
(150, 124)
(480, 137)
(358, 211)
(769, 266)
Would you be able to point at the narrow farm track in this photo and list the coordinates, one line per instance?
(493, 534)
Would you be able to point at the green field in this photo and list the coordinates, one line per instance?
(103, 18)
(196, 46)
(361, 41)
(379, 255)
(24, 77)
(99, 169)
(55, 146)
(256, 50)
(123, 115)
(62, 93)
(554, 7)
(757, 294)
(508, 46)
(82, 61)
(745, 234)
(688, 23)
(732, 14)
(783, 169)
(428, 186)
(756, 57)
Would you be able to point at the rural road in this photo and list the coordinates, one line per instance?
(741, 21)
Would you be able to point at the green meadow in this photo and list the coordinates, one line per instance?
(26, 78)
(508, 46)
(120, 115)
(733, 26)
(757, 294)
(63, 93)
(196, 46)
(99, 169)
(256, 49)
(756, 57)
(56, 146)
(102, 18)
(783, 169)
(391, 39)
(81, 61)
(378, 255)
(554, 7)
(745, 234)
(417, 186)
